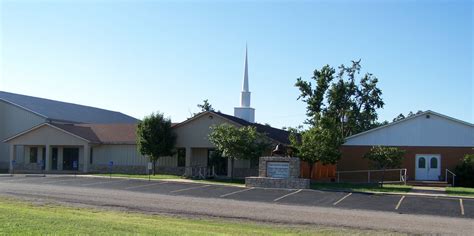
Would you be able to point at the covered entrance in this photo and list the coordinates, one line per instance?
(428, 167)
(214, 159)
(70, 158)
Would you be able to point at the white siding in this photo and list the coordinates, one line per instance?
(14, 120)
(419, 131)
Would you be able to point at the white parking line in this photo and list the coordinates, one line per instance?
(286, 195)
(340, 200)
(58, 181)
(186, 189)
(240, 191)
(145, 185)
(400, 202)
(462, 206)
(105, 182)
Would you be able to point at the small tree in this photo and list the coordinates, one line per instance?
(465, 171)
(316, 145)
(385, 157)
(155, 138)
(243, 143)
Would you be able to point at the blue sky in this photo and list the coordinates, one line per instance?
(143, 56)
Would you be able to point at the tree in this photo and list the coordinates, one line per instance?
(205, 106)
(465, 171)
(317, 144)
(155, 138)
(238, 143)
(410, 114)
(337, 96)
(385, 157)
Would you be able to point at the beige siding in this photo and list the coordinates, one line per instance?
(195, 133)
(168, 161)
(199, 157)
(47, 135)
(14, 120)
(121, 155)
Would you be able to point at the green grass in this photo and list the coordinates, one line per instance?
(235, 182)
(362, 187)
(460, 191)
(21, 218)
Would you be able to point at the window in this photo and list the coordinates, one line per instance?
(181, 157)
(434, 163)
(92, 155)
(33, 154)
(421, 163)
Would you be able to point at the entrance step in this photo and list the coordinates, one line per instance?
(441, 184)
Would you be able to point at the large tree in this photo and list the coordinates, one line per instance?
(238, 142)
(155, 138)
(339, 95)
(384, 158)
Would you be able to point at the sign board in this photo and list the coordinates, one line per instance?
(150, 165)
(111, 163)
(40, 163)
(278, 169)
(13, 162)
(74, 165)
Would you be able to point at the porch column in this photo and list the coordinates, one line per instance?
(60, 158)
(12, 157)
(85, 164)
(47, 163)
(188, 171)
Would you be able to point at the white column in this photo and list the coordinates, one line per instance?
(12, 156)
(188, 171)
(60, 158)
(47, 163)
(85, 165)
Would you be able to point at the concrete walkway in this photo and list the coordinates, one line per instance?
(428, 190)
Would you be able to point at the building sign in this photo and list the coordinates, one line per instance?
(278, 169)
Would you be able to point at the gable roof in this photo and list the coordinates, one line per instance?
(428, 112)
(64, 112)
(278, 135)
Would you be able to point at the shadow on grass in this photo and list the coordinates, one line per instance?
(361, 187)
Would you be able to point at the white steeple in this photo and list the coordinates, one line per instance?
(245, 111)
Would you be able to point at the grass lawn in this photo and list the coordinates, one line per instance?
(21, 218)
(460, 191)
(235, 182)
(362, 187)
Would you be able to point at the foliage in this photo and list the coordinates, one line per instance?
(155, 137)
(385, 157)
(465, 171)
(317, 144)
(337, 96)
(205, 106)
(238, 143)
(410, 114)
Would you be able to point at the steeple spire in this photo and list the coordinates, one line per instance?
(245, 111)
(245, 84)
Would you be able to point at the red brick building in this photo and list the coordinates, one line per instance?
(433, 143)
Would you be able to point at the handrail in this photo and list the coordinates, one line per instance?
(446, 175)
(403, 173)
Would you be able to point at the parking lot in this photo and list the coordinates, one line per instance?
(437, 206)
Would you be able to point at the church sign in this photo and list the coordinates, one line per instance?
(278, 169)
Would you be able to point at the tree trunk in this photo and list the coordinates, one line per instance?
(311, 164)
(383, 176)
(154, 167)
(232, 169)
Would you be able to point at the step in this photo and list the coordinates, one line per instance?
(429, 183)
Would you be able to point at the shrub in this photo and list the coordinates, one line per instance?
(465, 171)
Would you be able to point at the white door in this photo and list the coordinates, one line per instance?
(428, 167)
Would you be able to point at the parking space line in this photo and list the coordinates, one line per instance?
(400, 202)
(287, 195)
(240, 191)
(462, 206)
(144, 185)
(58, 181)
(191, 188)
(105, 182)
(340, 200)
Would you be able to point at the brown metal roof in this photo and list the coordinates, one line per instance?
(103, 133)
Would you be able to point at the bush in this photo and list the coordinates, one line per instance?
(465, 171)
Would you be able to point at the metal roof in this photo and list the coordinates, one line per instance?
(65, 112)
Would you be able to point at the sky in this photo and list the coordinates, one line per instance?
(139, 57)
